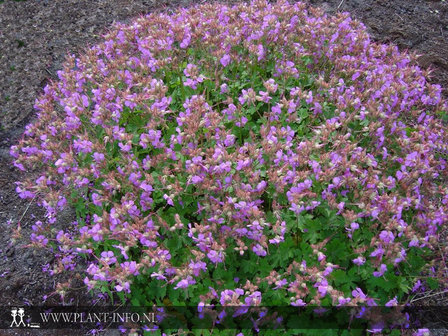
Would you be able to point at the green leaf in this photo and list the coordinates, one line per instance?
(173, 243)
(432, 283)
(135, 301)
(403, 285)
(340, 277)
(174, 295)
(303, 113)
(122, 297)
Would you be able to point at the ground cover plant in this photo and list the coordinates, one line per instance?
(262, 154)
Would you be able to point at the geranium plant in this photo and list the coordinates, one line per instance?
(260, 154)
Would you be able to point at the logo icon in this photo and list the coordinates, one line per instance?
(17, 313)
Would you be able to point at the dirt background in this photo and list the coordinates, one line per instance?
(35, 36)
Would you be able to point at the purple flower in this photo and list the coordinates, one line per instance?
(417, 286)
(24, 193)
(358, 293)
(260, 186)
(146, 187)
(375, 330)
(125, 147)
(383, 268)
(225, 60)
(197, 267)
(264, 96)
(96, 199)
(224, 88)
(185, 42)
(359, 261)
(280, 283)
(123, 287)
(96, 232)
(39, 239)
(130, 267)
(158, 276)
(243, 164)
(108, 257)
(413, 242)
(227, 295)
(259, 250)
(215, 257)
(387, 236)
(298, 303)
(309, 98)
(320, 256)
(99, 157)
(392, 302)
(422, 332)
(260, 52)
(242, 123)
(168, 199)
(123, 251)
(322, 287)
(197, 179)
(164, 255)
(253, 299)
(378, 252)
(341, 207)
(82, 146)
(190, 70)
(356, 75)
(230, 140)
(343, 301)
(185, 283)
(296, 208)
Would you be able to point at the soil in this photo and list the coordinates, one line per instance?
(35, 36)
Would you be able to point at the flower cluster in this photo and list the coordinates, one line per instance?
(265, 141)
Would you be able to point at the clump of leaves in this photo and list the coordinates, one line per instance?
(262, 154)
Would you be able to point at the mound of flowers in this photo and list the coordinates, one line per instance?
(261, 154)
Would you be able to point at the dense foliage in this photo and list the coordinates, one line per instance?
(263, 154)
